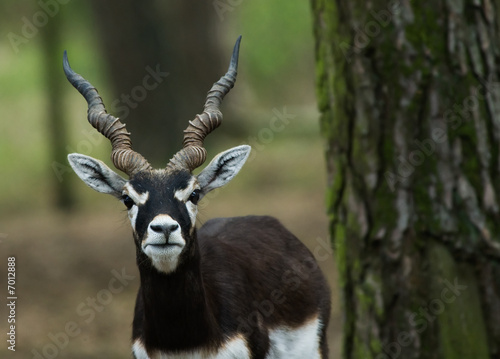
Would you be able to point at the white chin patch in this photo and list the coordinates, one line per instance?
(164, 252)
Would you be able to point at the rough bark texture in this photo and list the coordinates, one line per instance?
(409, 96)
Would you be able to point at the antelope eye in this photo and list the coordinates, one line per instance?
(195, 196)
(127, 201)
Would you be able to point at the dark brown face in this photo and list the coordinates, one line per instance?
(162, 204)
(162, 209)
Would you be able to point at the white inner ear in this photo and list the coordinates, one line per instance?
(223, 168)
(96, 174)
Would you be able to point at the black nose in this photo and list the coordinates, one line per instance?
(164, 228)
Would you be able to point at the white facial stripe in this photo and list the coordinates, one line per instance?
(193, 211)
(132, 215)
(139, 199)
(182, 195)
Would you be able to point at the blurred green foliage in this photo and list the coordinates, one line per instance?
(284, 177)
(277, 70)
(279, 48)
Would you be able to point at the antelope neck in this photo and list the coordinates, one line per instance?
(178, 299)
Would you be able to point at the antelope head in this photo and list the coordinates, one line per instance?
(161, 203)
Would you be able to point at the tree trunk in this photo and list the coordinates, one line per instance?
(173, 38)
(409, 101)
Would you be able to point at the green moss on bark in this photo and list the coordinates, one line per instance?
(455, 302)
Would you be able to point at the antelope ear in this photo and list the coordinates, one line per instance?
(223, 168)
(96, 174)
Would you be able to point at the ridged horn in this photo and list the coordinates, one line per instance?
(193, 154)
(122, 155)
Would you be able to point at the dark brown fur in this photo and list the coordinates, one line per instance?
(247, 275)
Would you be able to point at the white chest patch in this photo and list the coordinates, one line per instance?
(286, 343)
(236, 348)
(296, 343)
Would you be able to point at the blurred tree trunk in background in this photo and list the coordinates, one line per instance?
(51, 47)
(409, 99)
(142, 42)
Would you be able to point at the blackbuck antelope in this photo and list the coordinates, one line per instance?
(239, 288)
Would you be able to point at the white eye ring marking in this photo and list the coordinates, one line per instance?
(139, 199)
(193, 211)
(132, 215)
(182, 195)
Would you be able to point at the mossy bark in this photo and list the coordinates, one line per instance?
(409, 100)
